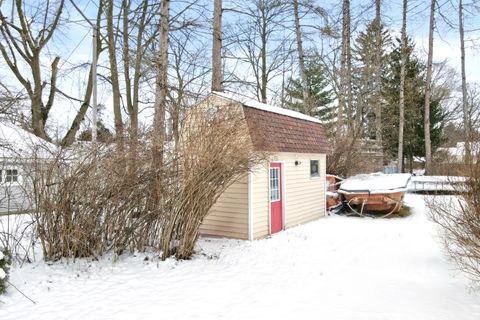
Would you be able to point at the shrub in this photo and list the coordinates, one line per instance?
(459, 219)
(117, 199)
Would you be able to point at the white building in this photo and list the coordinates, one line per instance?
(19, 151)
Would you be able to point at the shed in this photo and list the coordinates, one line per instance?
(288, 190)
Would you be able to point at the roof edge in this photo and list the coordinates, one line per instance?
(266, 107)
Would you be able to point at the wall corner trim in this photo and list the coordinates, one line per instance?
(250, 205)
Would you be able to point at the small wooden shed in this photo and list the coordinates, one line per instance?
(288, 190)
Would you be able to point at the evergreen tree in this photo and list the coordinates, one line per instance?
(368, 87)
(321, 95)
(103, 133)
(414, 101)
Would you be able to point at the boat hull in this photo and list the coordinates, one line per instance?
(375, 203)
(333, 199)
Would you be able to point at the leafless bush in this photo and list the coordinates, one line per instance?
(97, 201)
(215, 152)
(352, 156)
(459, 219)
(91, 204)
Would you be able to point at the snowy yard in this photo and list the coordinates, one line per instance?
(334, 268)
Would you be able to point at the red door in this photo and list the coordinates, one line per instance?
(275, 195)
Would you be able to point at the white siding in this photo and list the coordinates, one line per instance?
(229, 215)
(260, 209)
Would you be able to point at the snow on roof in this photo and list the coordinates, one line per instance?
(266, 107)
(375, 183)
(16, 142)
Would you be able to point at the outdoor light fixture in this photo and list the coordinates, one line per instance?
(297, 163)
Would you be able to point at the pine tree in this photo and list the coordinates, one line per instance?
(320, 95)
(414, 140)
(367, 91)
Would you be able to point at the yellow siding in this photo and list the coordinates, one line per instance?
(303, 196)
(259, 201)
(229, 216)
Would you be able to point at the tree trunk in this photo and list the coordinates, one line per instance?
(112, 57)
(24, 38)
(343, 64)
(378, 68)
(466, 122)
(348, 48)
(162, 78)
(301, 60)
(69, 138)
(217, 77)
(161, 91)
(263, 86)
(428, 85)
(402, 88)
(126, 60)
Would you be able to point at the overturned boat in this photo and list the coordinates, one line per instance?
(374, 193)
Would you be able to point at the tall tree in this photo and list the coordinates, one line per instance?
(134, 23)
(466, 122)
(321, 95)
(401, 106)
(343, 87)
(217, 78)
(378, 67)
(161, 84)
(301, 58)
(114, 74)
(261, 43)
(69, 137)
(369, 70)
(189, 67)
(414, 100)
(24, 38)
(352, 127)
(428, 85)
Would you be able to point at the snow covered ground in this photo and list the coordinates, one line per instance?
(334, 268)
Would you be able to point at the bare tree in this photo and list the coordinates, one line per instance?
(133, 54)
(10, 103)
(24, 38)
(69, 137)
(301, 58)
(402, 87)
(342, 90)
(261, 45)
(428, 85)
(466, 125)
(189, 67)
(161, 83)
(378, 67)
(114, 74)
(349, 92)
(217, 77)
(473, 113)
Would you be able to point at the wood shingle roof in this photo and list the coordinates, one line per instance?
(277, 132)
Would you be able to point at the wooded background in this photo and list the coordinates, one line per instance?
(353, 64)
